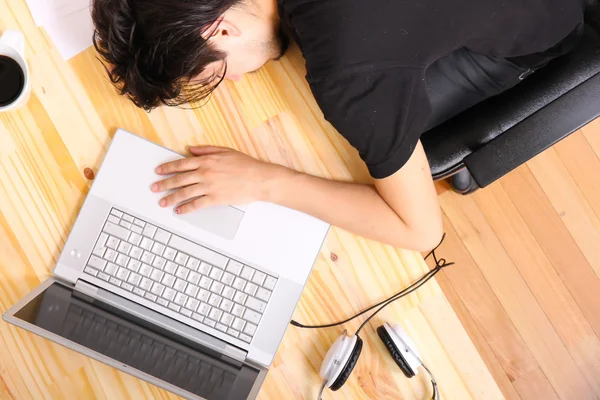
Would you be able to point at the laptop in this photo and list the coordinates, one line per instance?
(196, 304)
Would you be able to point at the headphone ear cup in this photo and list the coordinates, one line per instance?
(349, 367)
(395, 353)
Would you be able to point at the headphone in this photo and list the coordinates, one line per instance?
(342, 356)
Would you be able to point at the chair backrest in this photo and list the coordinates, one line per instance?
(592, 10)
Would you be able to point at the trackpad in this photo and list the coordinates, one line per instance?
(223, 221)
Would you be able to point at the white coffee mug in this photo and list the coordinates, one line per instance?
(12, 45)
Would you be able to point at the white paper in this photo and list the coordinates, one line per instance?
(39, 11)
(71, 34)
(67, 22)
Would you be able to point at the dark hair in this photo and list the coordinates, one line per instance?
(154, 47)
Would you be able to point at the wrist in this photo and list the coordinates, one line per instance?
(276, 183)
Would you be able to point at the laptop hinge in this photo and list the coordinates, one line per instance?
(178, 328)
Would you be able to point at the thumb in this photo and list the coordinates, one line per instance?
(205, 150)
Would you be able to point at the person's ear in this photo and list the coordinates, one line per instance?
(221, 27)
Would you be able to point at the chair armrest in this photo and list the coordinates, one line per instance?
(536, 133)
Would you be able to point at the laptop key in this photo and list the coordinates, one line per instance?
(245, 338)
(116, 230)
(192, 304)
(251, 289)
(240, 297)
(134, 265)
(204, 268)
(263, 294)
(238, 324)
(149, 231)
(125, 224)
(147, 257)
(228, 292)
(227, 278)
(150, 296)
(182, 272)
(136, 252)
(111, 269)
(126, 286)
(238, 310)
(239, 283)
(197, 251)
(205, 282)
(145, 270)
(124, 247)
(227, 319)
(103, 276)
(99, 251)
(203, 295)
(168, 280)
(221, 327)
(180, 299)
(159, 263)
(226, 305)
(146, 244)
(250, 329)
(259, 278)
(170, 268)
(215, 314)
(117, 213)
(170, 254)
(255, 304)
(112, 242)
(138, 291)
(194, 278)
(90, 271)
(162, 302)
(136, 229)
(204, 309)
(127, 218)
(158, 248)
(214, 300)
(174, 307)
(180, 285)
(197, 317)
(216, 273)
(191, 290)
(122, 260)
(181, 258)
(97, 263)
(232, 332)
(145, 284)
(186, 312)
(270, 283)
(169, 294)
(111, 255)
(134, 279)
(135, 239)
(252, 316)
(162, 236)
(157, 289)
(217, 287)
(193, 264)
(157, 275)
(209, 322)
(123, 274)
(247, 272)
(234, 267)
(114, 219)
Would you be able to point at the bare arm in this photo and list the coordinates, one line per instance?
(401, 210)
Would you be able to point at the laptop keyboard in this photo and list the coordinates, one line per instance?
(180, 275)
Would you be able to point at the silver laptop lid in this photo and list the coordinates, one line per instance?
(55, 311)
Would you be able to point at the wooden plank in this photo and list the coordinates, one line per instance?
(570, 204)
(542, 279)
(579, 158)
(480, 342)
(556, 242)
(512, 291)
(480, 301)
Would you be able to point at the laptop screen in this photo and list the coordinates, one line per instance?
(197, 371)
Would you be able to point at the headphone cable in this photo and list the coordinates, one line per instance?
(441, 263)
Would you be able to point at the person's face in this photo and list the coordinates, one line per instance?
(249, 40)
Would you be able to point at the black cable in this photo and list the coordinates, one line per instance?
(411, 288)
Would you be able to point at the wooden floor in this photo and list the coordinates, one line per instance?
(526, 281)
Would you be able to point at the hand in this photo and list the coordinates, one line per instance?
(215, 176)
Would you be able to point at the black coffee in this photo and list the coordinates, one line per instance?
(12, 80)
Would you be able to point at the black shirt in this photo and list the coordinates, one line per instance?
(366, 59)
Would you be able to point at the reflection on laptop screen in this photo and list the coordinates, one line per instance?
(58, 311)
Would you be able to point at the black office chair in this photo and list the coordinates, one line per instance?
(487, 141)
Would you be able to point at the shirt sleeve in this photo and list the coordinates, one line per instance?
(382, 113)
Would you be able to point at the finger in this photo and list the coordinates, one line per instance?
(196, 204)
(181, 165)
(177, 181)
(205, 150)
(182, 195)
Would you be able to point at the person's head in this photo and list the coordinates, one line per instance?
(174, 51)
